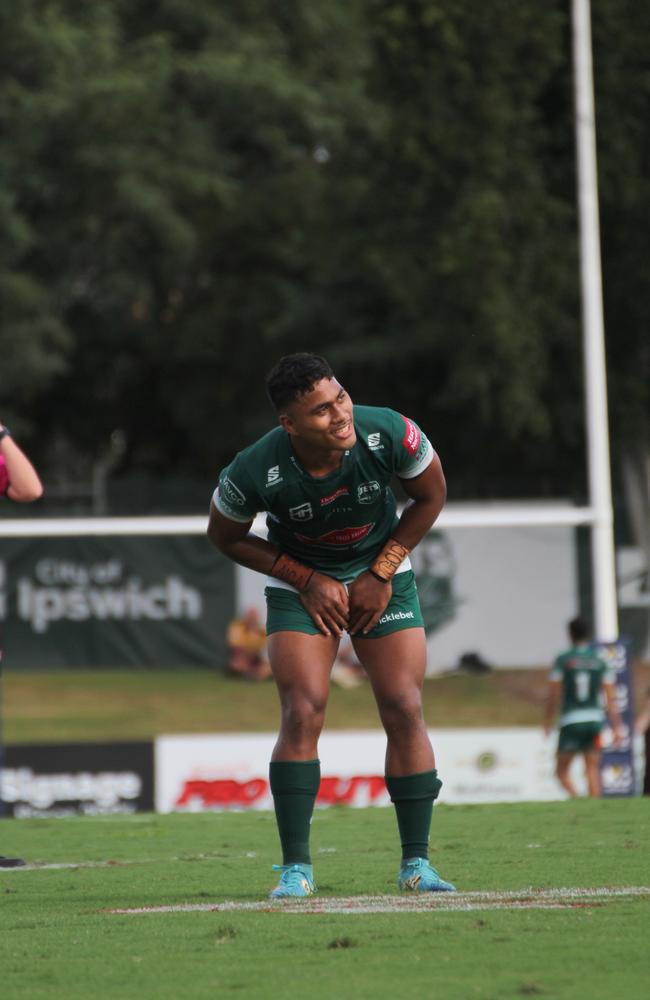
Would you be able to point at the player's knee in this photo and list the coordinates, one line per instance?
(402, 711)
(303, 715)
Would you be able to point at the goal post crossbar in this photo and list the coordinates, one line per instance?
(471, 516)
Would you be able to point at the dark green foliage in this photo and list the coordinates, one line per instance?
(191, 190)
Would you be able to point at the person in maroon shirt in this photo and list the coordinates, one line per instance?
(19, 482)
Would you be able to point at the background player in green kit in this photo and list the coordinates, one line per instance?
(337, 561)
(579, 679)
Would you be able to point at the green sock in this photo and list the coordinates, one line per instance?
(413, 796)
(294, 786)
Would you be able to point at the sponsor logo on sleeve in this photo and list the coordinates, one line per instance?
(411, 439)
(231, 493)
(374, 441)
(368, 492)
(273, 475)
(303, 512)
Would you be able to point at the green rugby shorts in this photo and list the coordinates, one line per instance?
(285, 611)
(579, 737)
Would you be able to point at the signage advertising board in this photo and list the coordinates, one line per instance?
(77, 779)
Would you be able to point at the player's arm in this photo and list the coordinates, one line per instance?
(613, 712)
(642, 721)
(371, 591)
(24, 483)
(235, 540)
(325, 599)
(427, 494)
(553, 698)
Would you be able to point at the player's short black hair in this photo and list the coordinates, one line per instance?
(579, 630)
(293, 375)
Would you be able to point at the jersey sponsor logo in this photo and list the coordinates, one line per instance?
(303, 512)
(584, 663)
(374, 441)
(231, 493)
(368, 492)
(337, 511)
(411, 439)
(339, 536)
(394, 616)
(342, 492)
(273, 475)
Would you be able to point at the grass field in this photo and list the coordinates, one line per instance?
(59, 938)
(63, 706)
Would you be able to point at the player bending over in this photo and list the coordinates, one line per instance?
(337, 561)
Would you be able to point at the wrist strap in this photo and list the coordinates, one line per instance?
(389, 560)
(291, 571)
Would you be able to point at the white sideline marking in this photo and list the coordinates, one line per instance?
(540, 899)
(64, 864)
(117, 863)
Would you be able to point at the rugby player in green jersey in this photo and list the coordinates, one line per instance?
(337, 561)
(579, 678)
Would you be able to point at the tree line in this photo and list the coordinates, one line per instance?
(192, 190)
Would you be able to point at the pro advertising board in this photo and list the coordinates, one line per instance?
(196, 773)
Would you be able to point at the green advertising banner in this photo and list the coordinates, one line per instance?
(114, 601)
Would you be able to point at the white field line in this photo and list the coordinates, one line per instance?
(121, 863)
(62, 864)
(446, 901)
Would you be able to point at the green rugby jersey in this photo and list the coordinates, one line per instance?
(582, 672)
(336, 524)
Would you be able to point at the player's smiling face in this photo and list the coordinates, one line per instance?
(321, 418)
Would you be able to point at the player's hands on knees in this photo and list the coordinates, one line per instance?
(327, 602)
(369, 598)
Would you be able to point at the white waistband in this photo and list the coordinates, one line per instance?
(271, 581)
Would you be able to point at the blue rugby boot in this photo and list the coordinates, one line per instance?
(296, 881)
(417, 875)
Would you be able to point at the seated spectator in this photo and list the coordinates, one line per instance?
(347, 672)
(246, 642)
